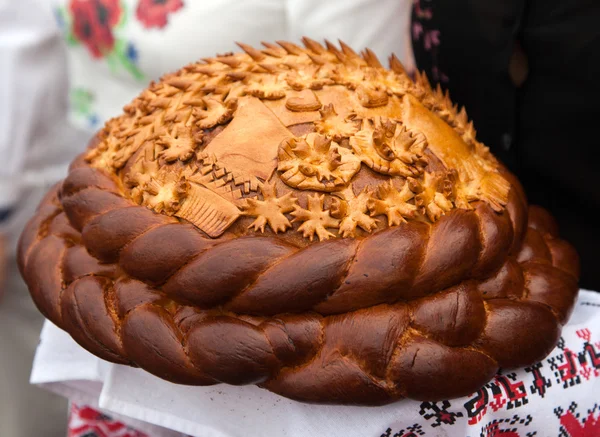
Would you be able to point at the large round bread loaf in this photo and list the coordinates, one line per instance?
(303, 219)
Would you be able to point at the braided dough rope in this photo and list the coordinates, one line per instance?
(367, 324)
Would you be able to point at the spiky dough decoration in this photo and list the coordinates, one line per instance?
(299, 78)
(310, 115)
(315, 162)
(393, 203)
(179, 144)
(270, 209)
(165, 191)
(267, 87)
(387, 147)
(214, 113)
(434, 193)
(336, 126)
(139, 175)
(352, 210)
(315, 220)
(105, 154)
(394, 82)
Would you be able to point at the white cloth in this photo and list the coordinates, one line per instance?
(569, 380)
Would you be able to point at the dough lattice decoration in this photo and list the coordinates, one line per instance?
(358, 252)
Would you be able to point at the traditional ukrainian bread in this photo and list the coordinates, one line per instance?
(303, 219)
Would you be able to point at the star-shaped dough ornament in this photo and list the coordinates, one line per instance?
(352, 210)
(315, 220)
(270, 210)
(179, 145)
(393, 203)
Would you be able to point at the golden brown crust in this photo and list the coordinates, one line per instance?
(362, 122)
(373, 257)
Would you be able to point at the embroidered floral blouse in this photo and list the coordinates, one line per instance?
(115, 47)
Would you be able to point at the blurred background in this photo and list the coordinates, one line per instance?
(526, 70)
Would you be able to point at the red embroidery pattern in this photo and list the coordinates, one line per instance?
(503, 391)
(93, 23)
(507, 427)
(572, 424)
(415, 430)
(154, 13)
(87, 422)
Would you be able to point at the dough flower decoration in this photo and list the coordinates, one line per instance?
(179, 144)
(351, 78)
(306, 101)
(165, 191)
(139, 176)
(336, 126)
(299, 78)
(111, 153)
(388, 147)
(267, 87)
(270, 210)
(434, 193)
(393, 203)
(353, 211)
(214, 113)
(371, 96)
(316, 162)
(315, 219)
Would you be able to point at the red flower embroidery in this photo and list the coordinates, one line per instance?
(153, 13)
(85, 421)
(93, 21)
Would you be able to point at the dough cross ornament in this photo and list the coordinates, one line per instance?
(303, 219)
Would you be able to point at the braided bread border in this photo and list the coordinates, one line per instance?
(370, 325)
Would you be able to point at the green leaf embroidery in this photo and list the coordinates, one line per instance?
(120, 56)
(113, 61)
(65, 21)
(81, 101)
(124, 16)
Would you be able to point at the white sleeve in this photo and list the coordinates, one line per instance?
(31, 58)
(381, 25)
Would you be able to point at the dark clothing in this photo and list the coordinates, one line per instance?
(546, 130)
